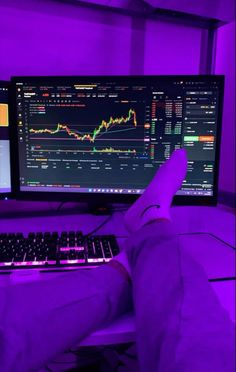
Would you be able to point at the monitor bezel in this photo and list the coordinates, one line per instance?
(102, 198)
(7, 84)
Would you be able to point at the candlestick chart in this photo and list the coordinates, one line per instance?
(108, 135)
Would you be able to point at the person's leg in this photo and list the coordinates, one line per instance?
(40, 319)
(169, 294)
(181, 326)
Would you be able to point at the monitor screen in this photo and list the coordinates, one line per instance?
(109, 135)
(5, 181)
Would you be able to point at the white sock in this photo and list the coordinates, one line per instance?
(155, 202)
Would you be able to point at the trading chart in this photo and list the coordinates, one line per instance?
(115, 134)
(112, 134)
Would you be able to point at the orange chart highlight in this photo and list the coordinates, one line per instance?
(3, 115)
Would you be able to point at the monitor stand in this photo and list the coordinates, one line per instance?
(100, 209)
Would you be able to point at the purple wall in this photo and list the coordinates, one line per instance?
(225, 64)
(169, 48)
(53, 39)
(46, 37)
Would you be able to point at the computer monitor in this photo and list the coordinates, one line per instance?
(5, 180)
(103, 138)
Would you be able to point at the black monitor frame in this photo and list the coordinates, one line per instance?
(6, 84)
(102, 198)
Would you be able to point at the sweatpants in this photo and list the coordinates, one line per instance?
(180, 324)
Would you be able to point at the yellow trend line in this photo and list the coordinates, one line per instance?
(90, 136)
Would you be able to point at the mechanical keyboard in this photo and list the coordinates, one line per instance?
(53, 249)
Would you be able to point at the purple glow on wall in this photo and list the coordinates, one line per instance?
(169, 48)
(50, 38)
(59, 39)
(225, 64)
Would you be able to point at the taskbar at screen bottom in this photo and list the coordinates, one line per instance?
(4, 190)
(100, 190)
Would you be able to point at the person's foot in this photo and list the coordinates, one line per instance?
(155, 202)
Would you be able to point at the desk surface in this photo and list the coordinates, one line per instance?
(217, 258)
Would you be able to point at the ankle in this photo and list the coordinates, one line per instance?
(121, 269)
(123, 260)
(154, 213)
(157, 220)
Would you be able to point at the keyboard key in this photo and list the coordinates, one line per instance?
(66, 248)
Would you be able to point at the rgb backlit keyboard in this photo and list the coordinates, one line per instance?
(53, 249)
